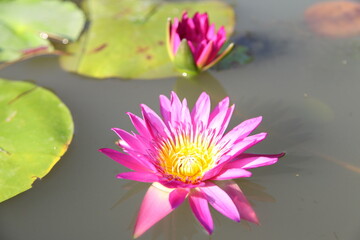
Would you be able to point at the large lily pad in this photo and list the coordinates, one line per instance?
(25, 26)
(35, 131)
(126, 38)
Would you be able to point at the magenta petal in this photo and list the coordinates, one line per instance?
(176, 40)
(220, 38)
(200, 208)
(221, 201)
(204, 57)
(232, 173)
(199, 49)
(243, 145)
(213, 172)
(174, 36)
(139, 176)
(242, 130)
(185, 114)
(226, 120)
(155, 206)
(202, 22)
(242, 204)
(211, 32)
(124, 159)
(217, 116)
(165, 109)
(132, 142)
(176, 107)
(200, 112)
(154, 123)
(248, 160)
(139, 124)
(178, 196)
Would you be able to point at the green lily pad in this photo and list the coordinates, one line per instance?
(36, 129)
(26, 25)
(126, 38)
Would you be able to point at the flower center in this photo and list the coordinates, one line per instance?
(187, 158)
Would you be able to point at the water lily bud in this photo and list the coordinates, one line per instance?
(194, 45)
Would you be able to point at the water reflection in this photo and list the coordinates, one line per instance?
(181, 224)
(191, 88)
(345, 165)
(262, 45)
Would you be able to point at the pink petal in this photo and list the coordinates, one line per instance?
(174, 36)
(248, 160)
(139, 176)
(246, 143)
(190, 33)
(226, 120)
(155, 206)
(124, 159)
(200, 112)
(242, 204)
(184, 16)
(237, 150)
(213, 172)
(239, 147)
(139, 125)
(185, 114)
(204, 56)
(132, 142)
(217, 116)
(199, 49)
(178, 196)
(211, 32)
(202, 22)
(220, 201)
(200, 208)
(154, 123)
(175, 42)
(176, 110)
(220, 38)
(241, 131)
(165, 109)
(179, 184)
(231, 173)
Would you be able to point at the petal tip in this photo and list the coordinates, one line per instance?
(282, 154)
(102, 150)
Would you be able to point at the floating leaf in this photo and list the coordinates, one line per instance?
(35, 131)
(126, 38)
(26, 25)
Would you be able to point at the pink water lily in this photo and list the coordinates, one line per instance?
(182, 153)
(194, 44)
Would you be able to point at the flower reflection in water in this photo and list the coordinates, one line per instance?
(180, 224)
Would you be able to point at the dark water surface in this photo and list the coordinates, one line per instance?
(305, 86)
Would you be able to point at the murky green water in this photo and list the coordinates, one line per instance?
(307, 89)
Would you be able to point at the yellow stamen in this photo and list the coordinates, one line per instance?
(187, 158)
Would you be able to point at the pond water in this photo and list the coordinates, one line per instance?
(305, 86)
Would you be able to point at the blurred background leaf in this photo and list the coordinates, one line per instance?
(126, 38)
(27, 25)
